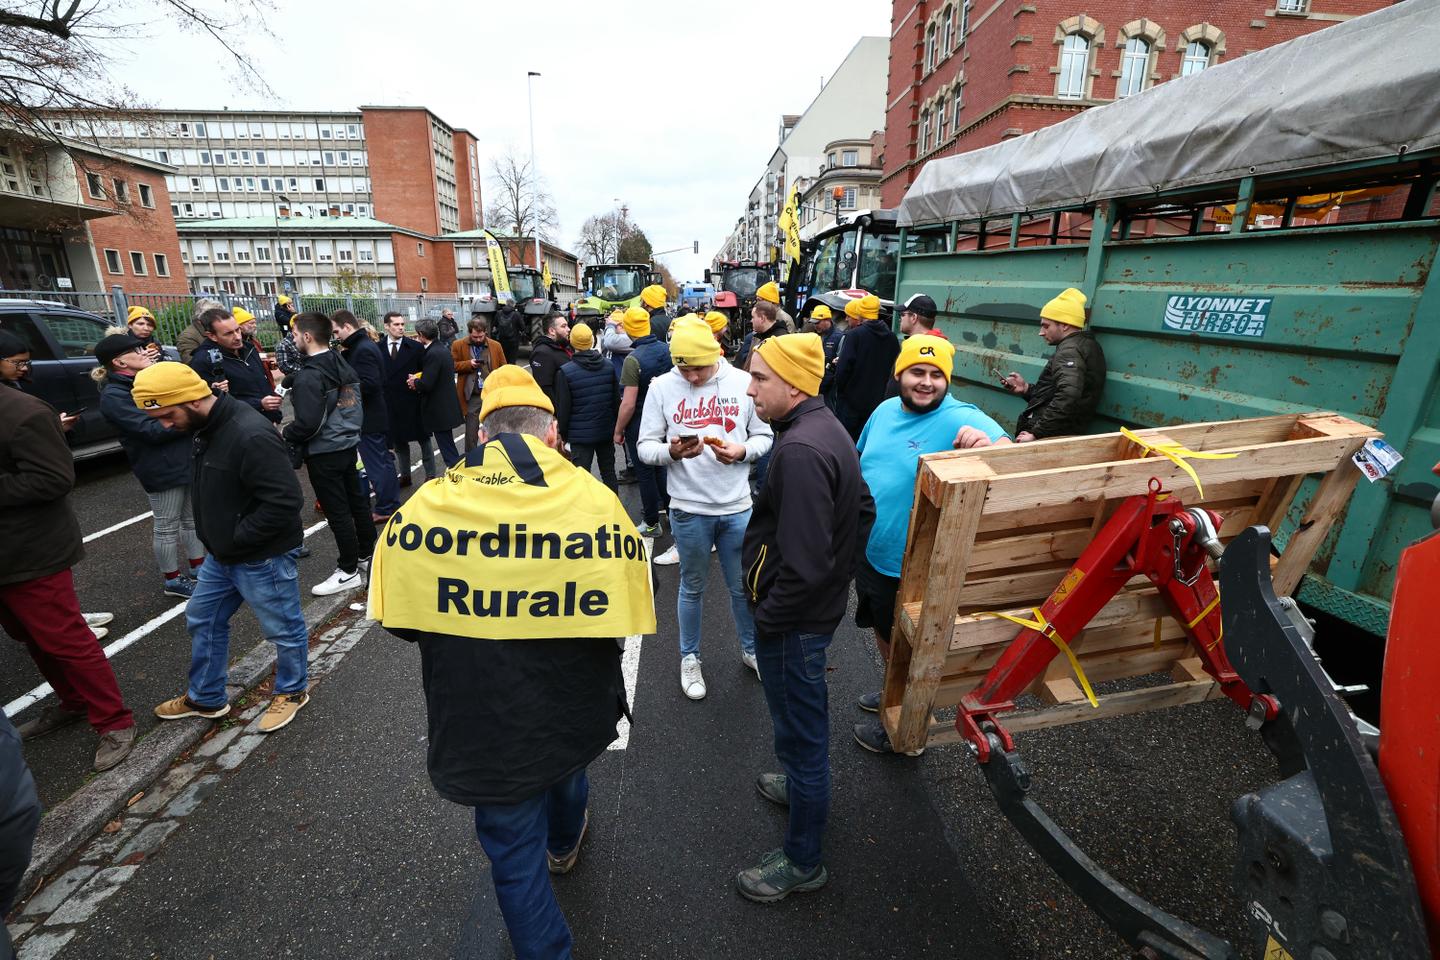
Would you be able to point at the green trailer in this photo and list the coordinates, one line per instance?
(1258, 238)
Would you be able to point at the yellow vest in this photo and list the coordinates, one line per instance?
(513, 543)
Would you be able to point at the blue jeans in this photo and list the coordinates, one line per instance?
(515, 836)
(651, 479)
(694, 535)
(272, 588)
(792, 671)
(380, 471)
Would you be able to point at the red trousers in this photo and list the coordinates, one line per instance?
(44, 614)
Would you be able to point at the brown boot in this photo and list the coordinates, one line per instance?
(114, 747)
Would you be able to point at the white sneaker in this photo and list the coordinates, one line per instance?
(100, 632)
(98, 619)
(669, 557)
(749, 660)
(338, 582)
(691, 680)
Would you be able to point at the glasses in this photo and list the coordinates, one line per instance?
(25, 364)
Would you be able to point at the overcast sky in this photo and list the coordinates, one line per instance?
(671, 108)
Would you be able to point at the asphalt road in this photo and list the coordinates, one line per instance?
(329, 841)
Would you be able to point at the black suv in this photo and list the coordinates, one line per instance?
(62, 342)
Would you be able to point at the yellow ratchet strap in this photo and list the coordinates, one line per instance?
(1047, 629)
(1176, 454)
(1220, 635)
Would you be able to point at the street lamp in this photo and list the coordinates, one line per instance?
(534, 171)
(279, 259)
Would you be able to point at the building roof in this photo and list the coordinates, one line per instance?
(480, 235)
(295, 225)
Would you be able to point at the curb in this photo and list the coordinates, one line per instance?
(67, 826)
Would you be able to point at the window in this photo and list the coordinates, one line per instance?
(147, 196)
(235, 157)
(847, 199)
(419, 249)
(162, 265)
(354, 130)
(325, 133)
(222, 256)
(850, 158)
(1074, 64)
(924, 145)
(830, 160)
(265, 184)
(930, 40)
(162, 155)
(137, 263)
(259, 156)
(942, 121)
(1197, 58)
(1134, 67)
(242, 256)
(367, 256)
(122, 190)
(205, 156)
(424, 284)
(262, 254)
(195, 183)
(112, 263)
(957, 105)
(199, 129)
(302, 252)
(1292, 6)
(328, 158)
(964, 19)
(319, 184)
(346, 255)
(947, 36)
(92, 184)
(223, 183)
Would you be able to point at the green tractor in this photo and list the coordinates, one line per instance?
(612, 286)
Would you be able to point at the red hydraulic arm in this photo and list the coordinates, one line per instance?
(1154, 536)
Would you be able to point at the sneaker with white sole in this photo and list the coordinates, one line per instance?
(692, 681)
(669, 558)
(180, 587)
(649, 529)
(98, 619)
(339, 582)
(749, 660)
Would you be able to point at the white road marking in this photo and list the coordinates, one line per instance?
(630, 661)
(118, 526)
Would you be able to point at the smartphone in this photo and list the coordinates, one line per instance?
(76, 412)
(688, 437)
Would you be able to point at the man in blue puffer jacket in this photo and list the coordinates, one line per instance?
(587, 403)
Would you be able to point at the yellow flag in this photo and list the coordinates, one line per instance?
(513, 543)
(499, 279)
(790, 223)
(545, 275)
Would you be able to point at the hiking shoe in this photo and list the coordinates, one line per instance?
(692, 681)
(872, 737)
(51, 718)
(282, 709)
(339, 582)
(749, 660)
(774, 878)
(669, 558)
(182, 707)
(114, 747)
(565, 862)
(869, 702)
(774, 787)
(649, 529)
(98, 619)
(180, 587)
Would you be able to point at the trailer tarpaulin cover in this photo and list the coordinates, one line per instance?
(1359, 90)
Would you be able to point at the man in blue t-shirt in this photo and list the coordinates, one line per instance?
(923, 419)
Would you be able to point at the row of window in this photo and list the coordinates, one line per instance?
(21, 177)
(266, 184)
(202, 129)
(220, 210)
(302, 251)
(120, 190)
(257, 158)
(848, 158)
(256, 286)
(937, 120)
(1137, 63)
(115, 264)
(945, 33)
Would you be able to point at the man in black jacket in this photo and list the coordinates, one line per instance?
(329, 415)
(1064, 399)
(864, 367)
(435, 383)
(368, 362)
(587, 403)
(229, 364)
(509, 326)
(247, 513)
(19, 819)
(402, 403)
(518, 702)
(809, 526)
(550, 353)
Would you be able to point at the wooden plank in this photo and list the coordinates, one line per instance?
(1324, 509)
(1187, 670)
(959, 518)
(1061, 690)
(1120, 704)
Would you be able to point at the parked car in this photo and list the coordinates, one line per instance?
(62, 350)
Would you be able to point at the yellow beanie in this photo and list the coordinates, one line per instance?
(510, 386)
(167, 384)
(821, 312)
(717, 321)
(135, 313)
(692, 343)
(617, 317)
(653, 296)
(866, 308)
(770, 291)
(796, 358)
(581, 337)
(936, 351)
(285, 300)
(242, 315)
(1068, 308)
(636, 322)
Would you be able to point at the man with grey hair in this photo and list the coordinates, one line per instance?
(435, 383)
(193, 336)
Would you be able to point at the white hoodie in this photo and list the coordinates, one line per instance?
(717, 408)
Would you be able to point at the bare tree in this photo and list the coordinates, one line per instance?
(53, 54)
(518, 207)
(600, 237)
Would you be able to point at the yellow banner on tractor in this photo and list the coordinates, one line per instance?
(789, 222)
(499, 279)
(545, 277)
(513, 543)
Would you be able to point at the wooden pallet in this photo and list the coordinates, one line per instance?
(997, 528)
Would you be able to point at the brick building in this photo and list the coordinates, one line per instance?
(965, 74)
